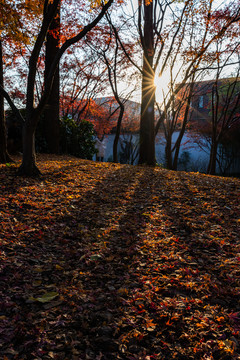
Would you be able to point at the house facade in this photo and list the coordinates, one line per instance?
(211, 95)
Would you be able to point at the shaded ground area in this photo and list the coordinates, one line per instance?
(106, 261)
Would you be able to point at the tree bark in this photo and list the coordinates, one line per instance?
(147, 133)
(116, 139)
(4, 156)
(51, 121)
(28, 166)
(168, 152)
(177, 149)
(183, 128)
(214, 144)
(213, 158)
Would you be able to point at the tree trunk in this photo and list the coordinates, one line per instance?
(51, 112)
(4, 156)
(147, 133)
(213, 158)
(117, 135)
(214, 143)
(168, 152)
(28, 166)
(178, 142)
(176, 154)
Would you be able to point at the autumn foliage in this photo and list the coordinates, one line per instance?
(109, 261)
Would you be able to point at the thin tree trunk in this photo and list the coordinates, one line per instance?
(177, 150)
(4, 156)
(214, 144)
(51, 123)
(116, 139)
(168, 152)
(183, 128)
(147, 132)
(213, 158)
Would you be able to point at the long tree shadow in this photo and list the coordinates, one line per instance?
(90, 249)
(130, 258)
(111, 218)
(122, 266)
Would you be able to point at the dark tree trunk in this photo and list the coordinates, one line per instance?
(213, 158)
(183, 128)
(168, 152)
(177, 150)
(178, 143)
(51, 111)
(147, 133)
(116, 139)
(214, 143)
(4, 156)
(28, 166)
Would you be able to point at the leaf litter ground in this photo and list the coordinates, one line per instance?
(108, 261)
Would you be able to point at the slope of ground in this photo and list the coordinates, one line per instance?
(107, 261)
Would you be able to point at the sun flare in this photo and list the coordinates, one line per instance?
(161, 83)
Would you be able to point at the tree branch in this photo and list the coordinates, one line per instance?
(12, 105)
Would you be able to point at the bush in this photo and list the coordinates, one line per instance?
(184, 160)
(77, 139)
(14, 132)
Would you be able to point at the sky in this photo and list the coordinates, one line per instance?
(162, 82)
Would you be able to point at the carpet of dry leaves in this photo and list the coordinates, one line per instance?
(108, 261)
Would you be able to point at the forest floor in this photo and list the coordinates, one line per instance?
(107, 261)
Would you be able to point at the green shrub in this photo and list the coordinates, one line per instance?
(77, 138)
